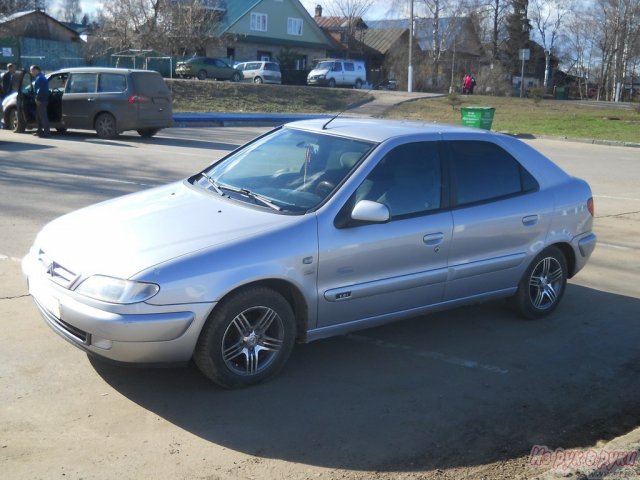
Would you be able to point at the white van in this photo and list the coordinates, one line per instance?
(336, 72)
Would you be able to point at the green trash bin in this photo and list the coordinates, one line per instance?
(478, 117)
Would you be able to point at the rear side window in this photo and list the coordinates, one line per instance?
(112, 82)
(483, 171)
(272, 66)
(348, 67)
(149, 83)
(82, 83)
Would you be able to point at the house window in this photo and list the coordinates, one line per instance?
(258, 22)
(264, 56)
(294, 26)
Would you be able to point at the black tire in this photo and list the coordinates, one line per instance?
(235, 77)
(105, 125)
(201, 75)
(257, 80)
(227, 351)
(14, 121)
(61, 130)
(358, 84)
(148, 132)
(332, 83)
(542, 285)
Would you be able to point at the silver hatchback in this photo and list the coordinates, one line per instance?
(314, 229)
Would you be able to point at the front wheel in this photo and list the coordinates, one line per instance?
(235, 77)
(332, 83)
(13, 121)
(247, 339)
(201, 75)
(105, 125)
(542, 285)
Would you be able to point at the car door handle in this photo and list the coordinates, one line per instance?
(433, 239)
(530, 220)
(90, 99)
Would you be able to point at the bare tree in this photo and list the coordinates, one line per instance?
(547, 17)
(7, 7)
(70, 11)
(352, 28)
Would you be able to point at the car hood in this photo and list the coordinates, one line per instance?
(124, 236)
(318, 71)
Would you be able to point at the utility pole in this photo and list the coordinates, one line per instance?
(410, 72)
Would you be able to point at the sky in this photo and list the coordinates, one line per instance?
(379, 10)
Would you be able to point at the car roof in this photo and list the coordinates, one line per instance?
(101, 70)
(378, 130)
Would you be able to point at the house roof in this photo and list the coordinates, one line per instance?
(451, 29)
(382, 40)
(25, 13)
(339, 23)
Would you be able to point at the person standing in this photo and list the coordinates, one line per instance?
(7, 80)
(41, 88)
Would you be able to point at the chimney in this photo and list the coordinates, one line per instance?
(318, 11)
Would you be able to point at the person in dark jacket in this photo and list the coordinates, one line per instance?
(41, 90)
(7, 80)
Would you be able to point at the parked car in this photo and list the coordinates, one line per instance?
(107, 100)
(336, 72)
(204, 67)
(260, 72)
(312, 230)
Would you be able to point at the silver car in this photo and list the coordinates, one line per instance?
(314, 229)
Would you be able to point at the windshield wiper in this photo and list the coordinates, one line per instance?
(248, 193)
(213, 183)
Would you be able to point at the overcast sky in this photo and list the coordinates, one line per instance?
(378, 11)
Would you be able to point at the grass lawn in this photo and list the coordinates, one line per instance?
(211, 96)
(570, 119)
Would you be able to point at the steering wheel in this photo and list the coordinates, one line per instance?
(324, 188)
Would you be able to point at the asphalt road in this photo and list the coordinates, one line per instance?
(455, 390)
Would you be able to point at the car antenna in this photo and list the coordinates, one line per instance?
(350, 106)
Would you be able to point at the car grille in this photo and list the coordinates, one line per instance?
(59, 274)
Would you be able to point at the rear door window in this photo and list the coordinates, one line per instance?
(112, 83)
(149, 83)
(483, 171)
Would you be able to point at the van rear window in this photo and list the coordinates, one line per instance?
(150, 83)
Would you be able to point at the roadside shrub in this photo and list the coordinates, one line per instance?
(536, 93)
(454, 99)
(494, 81)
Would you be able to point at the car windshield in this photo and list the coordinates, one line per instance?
(288, 170)
(325, 66)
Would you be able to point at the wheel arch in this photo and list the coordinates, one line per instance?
(569, 256)
(291, 294)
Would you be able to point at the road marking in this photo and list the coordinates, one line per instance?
(617, 247)
(613, 197)
(461, 362)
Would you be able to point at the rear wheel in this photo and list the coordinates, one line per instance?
(201, 75)
(257, 80)
(148, 132)
(105, 126)
(542, 285)
(358, 84)
(247, 338)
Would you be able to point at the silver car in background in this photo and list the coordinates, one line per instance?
(260, 72)
(314, 229)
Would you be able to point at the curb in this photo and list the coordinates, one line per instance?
(215, 119)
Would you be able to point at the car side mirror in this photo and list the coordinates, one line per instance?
(370, 212)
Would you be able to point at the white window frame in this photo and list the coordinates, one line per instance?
(259, 22)
(295, 26)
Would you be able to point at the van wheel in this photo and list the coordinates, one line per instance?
(13, 121)
(148, 132)
(247, 339)
(201, 75)
(358, 84)
(332, 83)
(105, 126)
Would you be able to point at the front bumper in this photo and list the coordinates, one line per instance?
(317, 81)
(138, 333)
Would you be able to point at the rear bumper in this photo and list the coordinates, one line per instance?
(583, 246)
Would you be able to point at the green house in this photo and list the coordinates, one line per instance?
(277, 30)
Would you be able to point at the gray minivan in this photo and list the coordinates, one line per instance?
(107, 100)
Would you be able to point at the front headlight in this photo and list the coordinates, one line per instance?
(117, 290)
